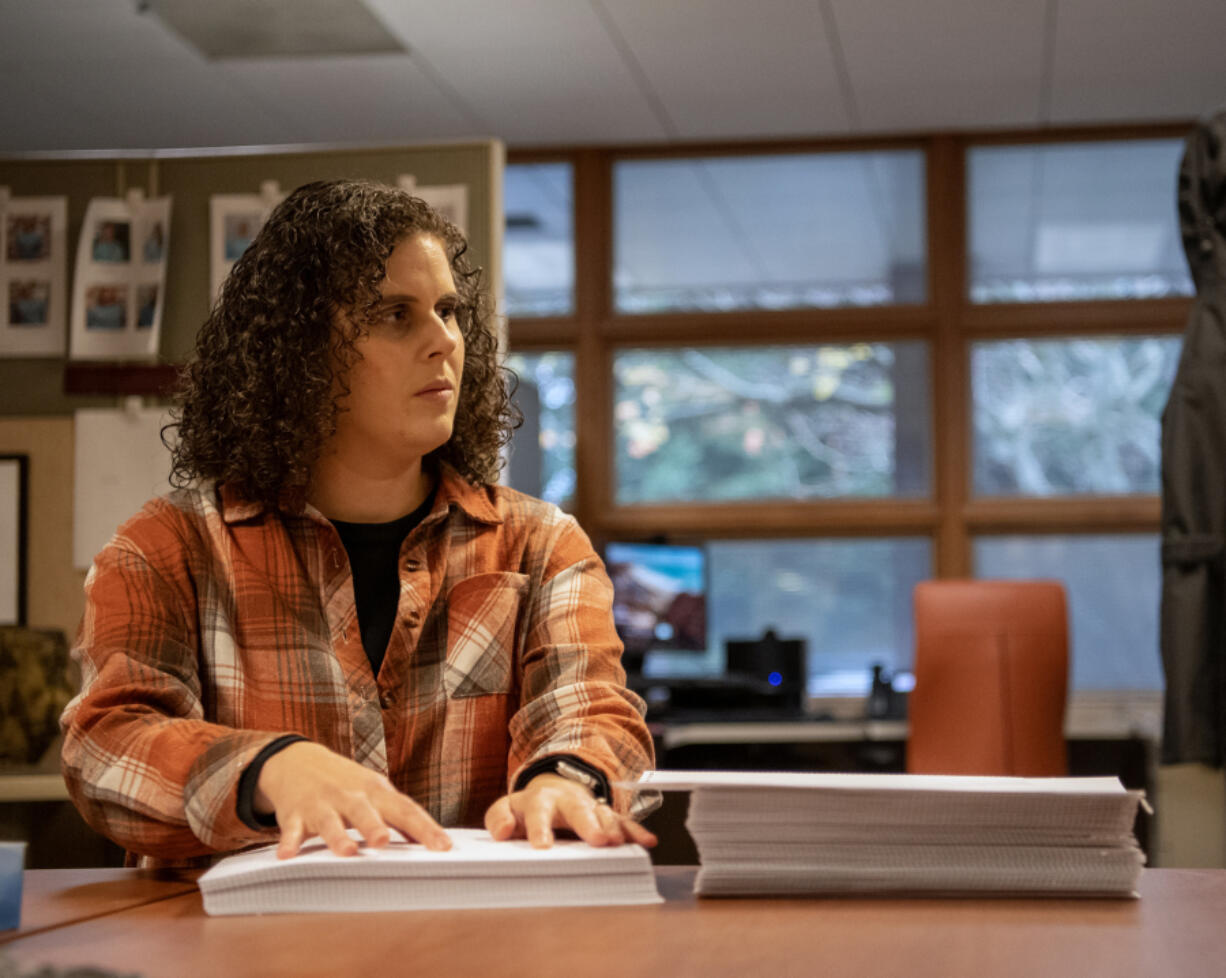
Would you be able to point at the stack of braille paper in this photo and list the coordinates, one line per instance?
(821, 834)
(475, 872)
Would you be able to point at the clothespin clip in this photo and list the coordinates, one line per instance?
(132, 405)
(136, 199)
(407, 182)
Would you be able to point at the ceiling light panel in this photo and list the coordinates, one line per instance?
(222, 29)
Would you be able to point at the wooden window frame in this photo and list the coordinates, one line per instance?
(951, 517)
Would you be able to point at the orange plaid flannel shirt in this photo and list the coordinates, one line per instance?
(214, 625)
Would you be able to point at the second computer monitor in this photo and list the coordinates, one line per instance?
(659, 596)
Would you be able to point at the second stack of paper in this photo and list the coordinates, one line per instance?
(792, 833)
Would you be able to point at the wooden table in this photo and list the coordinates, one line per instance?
(55, 898)
(156, 927)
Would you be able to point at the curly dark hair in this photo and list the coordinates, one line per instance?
(260, 396)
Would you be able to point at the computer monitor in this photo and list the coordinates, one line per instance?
(659, 598)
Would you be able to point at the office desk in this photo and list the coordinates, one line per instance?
(1175, 929)
(54, 898)
(1118, 718)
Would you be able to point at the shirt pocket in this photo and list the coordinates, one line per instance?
(483, 615)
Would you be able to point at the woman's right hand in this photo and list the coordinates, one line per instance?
(314, 791)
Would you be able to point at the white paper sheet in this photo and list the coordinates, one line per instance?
(476, 872)
(688, 780)
(234, 221)
(10, 540)
(449, 199)
(119, 289)
(473, 853)
(33, 263)
(120, 465)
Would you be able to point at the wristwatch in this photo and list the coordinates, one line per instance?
(571, 768)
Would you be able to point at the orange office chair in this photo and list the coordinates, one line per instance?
(991, 678)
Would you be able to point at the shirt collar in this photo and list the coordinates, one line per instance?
(474, 501)
(235, 507)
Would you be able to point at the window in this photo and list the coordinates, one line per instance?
(1113, 584)
(1070, 416)
(783, 422)
(1075, 221)
(542, 452)
(850, 600)
(539, 246)
(769, 232)
(765, 371)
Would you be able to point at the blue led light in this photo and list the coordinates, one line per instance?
(775, 679)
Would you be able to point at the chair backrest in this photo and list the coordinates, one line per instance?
(991, 678)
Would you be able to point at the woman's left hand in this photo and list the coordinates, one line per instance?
(551, 802)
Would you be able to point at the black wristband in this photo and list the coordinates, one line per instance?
(250, 778)
(599, 784)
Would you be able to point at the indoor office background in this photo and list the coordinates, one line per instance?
(779, 332)
(853, 293)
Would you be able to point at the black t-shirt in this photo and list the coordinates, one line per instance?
(374, 552)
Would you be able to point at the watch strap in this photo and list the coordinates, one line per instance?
(570, 767)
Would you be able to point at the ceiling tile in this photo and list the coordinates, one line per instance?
(736, 70)
(1153, 61)
(97, 75)
(42, 119)
(53, 34)
(140, 104)
(274, 28)
(536, 71)
(384, 99)
(943, 64)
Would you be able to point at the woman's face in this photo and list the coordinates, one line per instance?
(404, 389)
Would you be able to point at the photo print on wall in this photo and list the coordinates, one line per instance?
(234, 221)
(121, 278)
(33, 261)
(450, 199)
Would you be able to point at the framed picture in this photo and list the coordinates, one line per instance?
(13, 494)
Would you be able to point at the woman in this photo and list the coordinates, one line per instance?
(338, 620)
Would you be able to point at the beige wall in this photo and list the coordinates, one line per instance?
(36, 386)
(54, 595)
(1191, 812)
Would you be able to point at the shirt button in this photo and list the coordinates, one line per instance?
(413, 618)
(412, 564)
(387, 698)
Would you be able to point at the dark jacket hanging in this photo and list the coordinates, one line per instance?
(1194, 471)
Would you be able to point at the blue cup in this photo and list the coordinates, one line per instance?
(12, 863)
